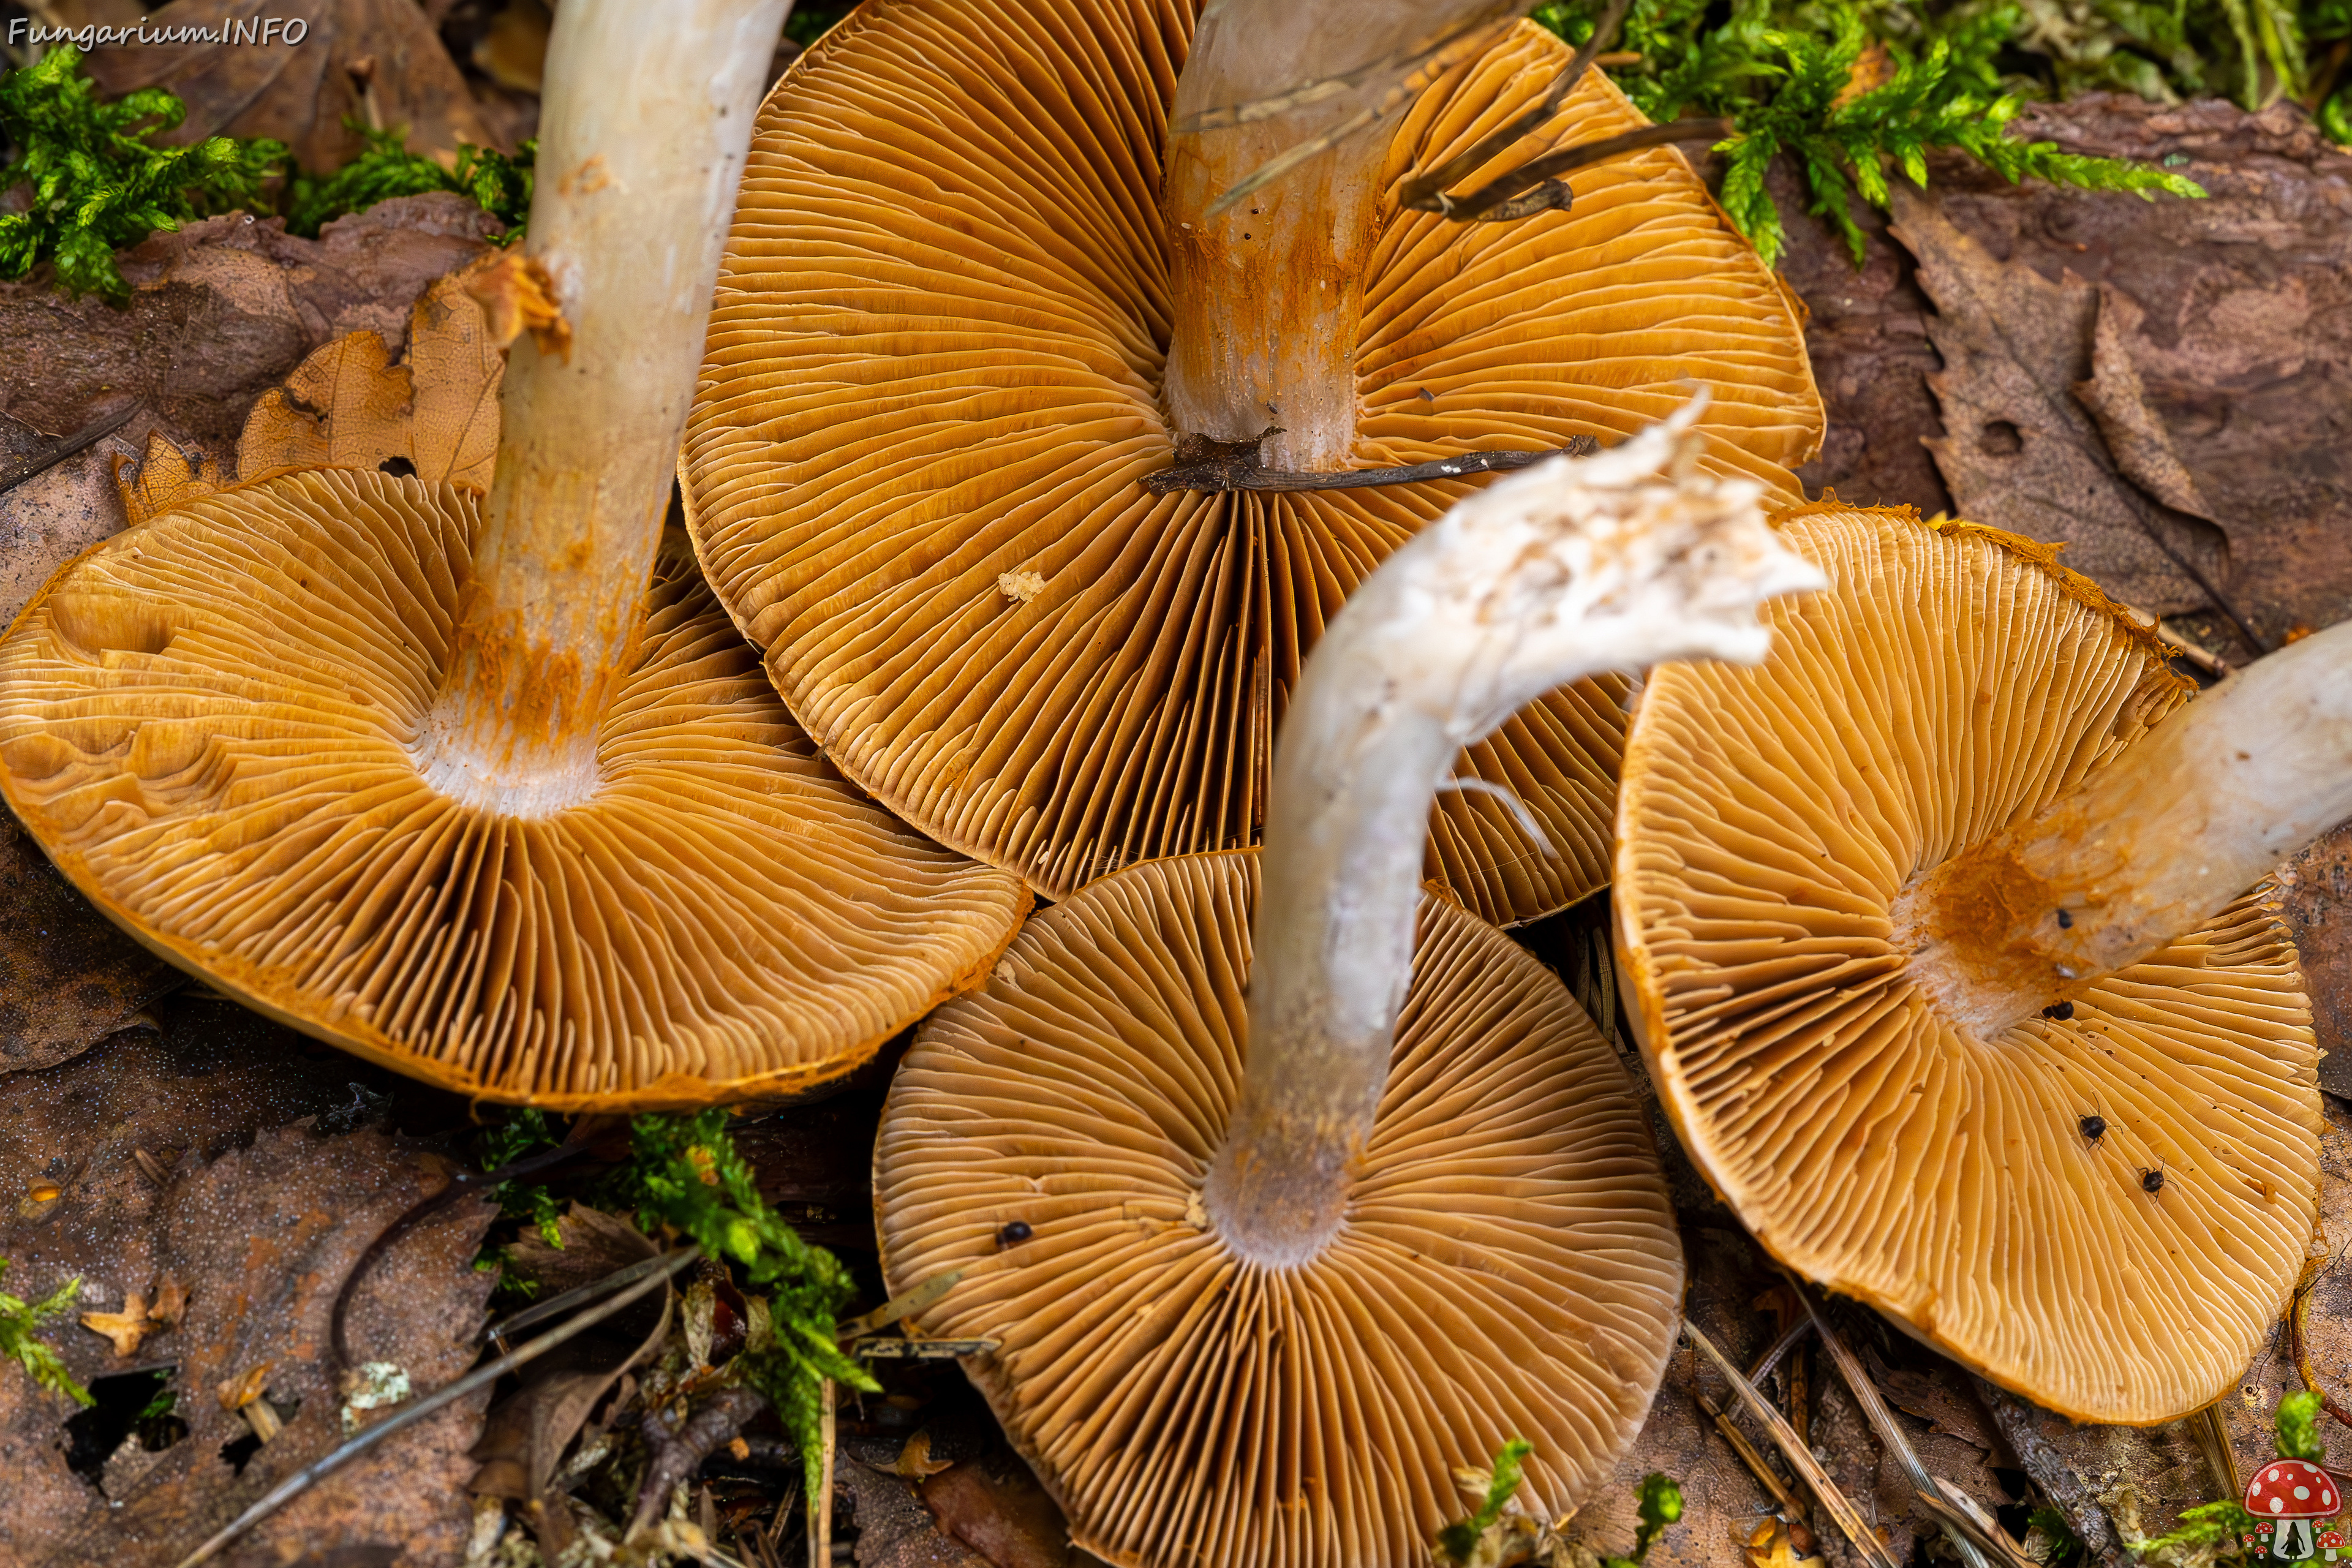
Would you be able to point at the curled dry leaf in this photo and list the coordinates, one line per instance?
(168, 475)
(915, 1462)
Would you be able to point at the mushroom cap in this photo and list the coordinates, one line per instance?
(1509, 1266)
(914, 466)
(1950, 683)
(207, 721)
(2291, 1488)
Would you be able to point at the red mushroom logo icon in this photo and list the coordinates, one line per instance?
(2291, 1493)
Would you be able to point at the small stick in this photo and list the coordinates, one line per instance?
(1953, 1511)
(1882, 1421)
(1839, 1506)
(335, 1458)
(1749, 1455)
(1228, 475)
(2048, 1468)
(49, 456)
(1801, 1412)
(821, 1506)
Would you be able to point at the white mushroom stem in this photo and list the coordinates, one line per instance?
(1267, 295)
(642, 132)
(1563, 571)
(2147, 849)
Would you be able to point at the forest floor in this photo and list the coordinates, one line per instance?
(1990, 351)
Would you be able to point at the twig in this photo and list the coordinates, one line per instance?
(463, 1182)
(1789, 1503)
(1780, 1347)
(1426, 193)
(2042, 1462)
(2302, 1356)
(1833, 1501)
(335, 1458)
(923, 1295)
(1499, 200)
(1882, 1421)
(677, 1456)
(1959, 1514)
(1225, 472)
(497, 1333)
(821, 1506)
(58, 451)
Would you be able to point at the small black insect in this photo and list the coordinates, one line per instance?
(2094, 1127)
(2065, 921)
(2152, 1181)
(1017, 1231)
(2062, 1011)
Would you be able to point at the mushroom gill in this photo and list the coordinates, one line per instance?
(1286, 1187)
(1784, 831)
(436, 776)
(937, 381)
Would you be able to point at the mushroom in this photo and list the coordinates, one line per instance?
(966, 328)
(434, 776)
(1937, 932)
(2292, 1493)
(1269, 1234)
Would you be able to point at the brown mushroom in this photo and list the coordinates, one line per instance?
(1272, 1239)
(432, 775)
(2098, 1194)
(957, 307)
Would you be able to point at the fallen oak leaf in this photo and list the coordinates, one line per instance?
(163, 479)
(1769, 1547)
(124, 1329)
(350, 404)
(171, 1304)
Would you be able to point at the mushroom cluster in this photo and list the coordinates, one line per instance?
(1317, 1186)
(474, 785)
(1015, 456)
(1952, 960)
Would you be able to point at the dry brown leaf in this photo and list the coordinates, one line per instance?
(377, 62)
(165, 478)
(350, 405)
(995, 1505)
(346, 407)
(513, 53)
(2020, 452)
(124, 1329)
(170, 1303)
(915, 1462)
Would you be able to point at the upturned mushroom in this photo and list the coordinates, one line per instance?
(1954, 964)
(976, 460)
(1273, 1233)
(435, 777)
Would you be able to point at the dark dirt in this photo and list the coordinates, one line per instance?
(68, 978)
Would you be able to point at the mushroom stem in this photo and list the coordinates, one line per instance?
(1566, 570)
(642, 142)
(2145, 850)
(1266, 295)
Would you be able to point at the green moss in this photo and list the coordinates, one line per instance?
(20, 1319)
(96, 182)
(1780, 72)
(496, 184)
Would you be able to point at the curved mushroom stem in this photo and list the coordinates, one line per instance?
(1611, 562)
(643, 136)
(2146, 849)
(1266, 295)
